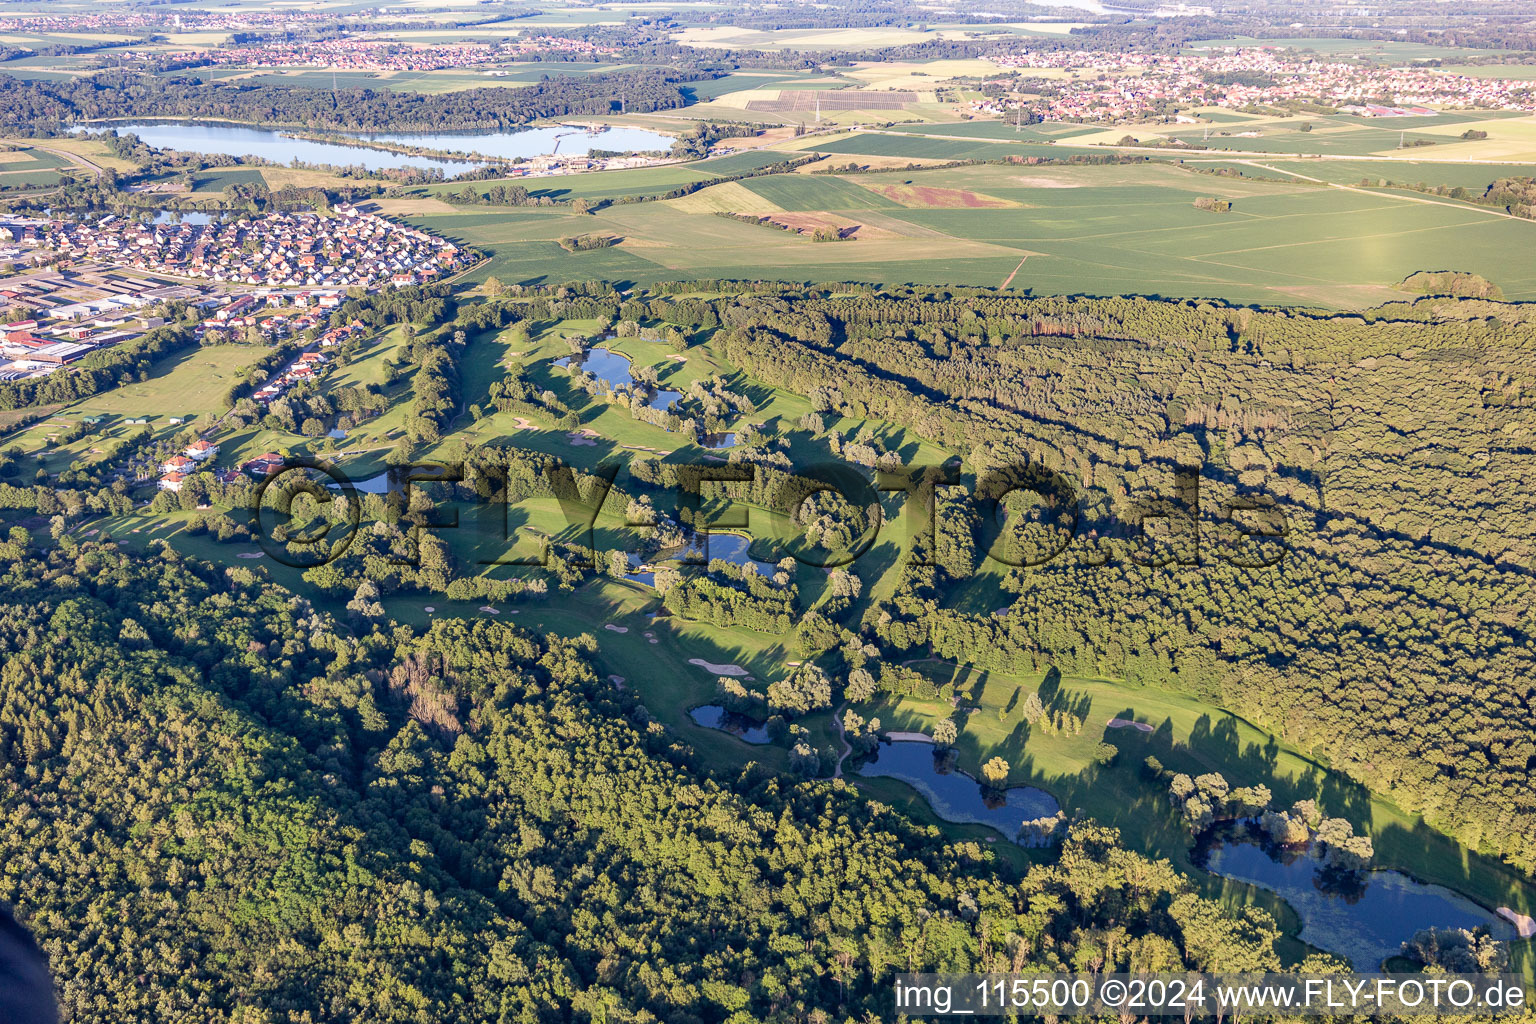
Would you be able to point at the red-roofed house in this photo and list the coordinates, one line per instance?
(201, 450)
(264, 465)
(171, 481)
(177, 464)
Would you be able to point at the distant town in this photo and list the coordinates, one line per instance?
(1111, 86)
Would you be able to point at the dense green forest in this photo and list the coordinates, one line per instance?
(218, 797)
(1391, 451)
(28, 106)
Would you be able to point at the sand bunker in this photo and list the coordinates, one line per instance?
(1125, 723)
(617, 681)
(428, 609)
(616, 629)
(914, 737)
(1525, 925)
(489, 610)
(719, 670)
(524, 423)
(243, 554)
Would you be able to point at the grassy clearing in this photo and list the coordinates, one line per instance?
(189, 383)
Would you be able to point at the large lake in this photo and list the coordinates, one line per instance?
(270, 144)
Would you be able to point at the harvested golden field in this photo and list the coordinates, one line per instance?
(928, 197)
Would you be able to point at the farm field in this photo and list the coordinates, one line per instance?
(1516, 72)
(1118, 229)
(1474, 177)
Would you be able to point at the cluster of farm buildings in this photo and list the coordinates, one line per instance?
(1111, 86)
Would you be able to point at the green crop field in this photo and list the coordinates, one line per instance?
(1333, 141)
(1472, 176)
(1003, 130)
(643, 181)
(802, 192)
(221, 178)
(1108, 229)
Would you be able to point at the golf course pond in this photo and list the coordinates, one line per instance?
(954, 795)
(1365, 916)
(713, 716)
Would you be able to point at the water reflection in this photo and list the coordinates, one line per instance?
(603, 364)
(282, 148)
(701, 549)
(664, 399)
(1363, 916)
(713, 716)
(26, 987)
(954, 795)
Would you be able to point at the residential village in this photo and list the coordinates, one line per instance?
(94, 283)
(350, 249)
(266, 280)
(344, 54)
(1125, 87)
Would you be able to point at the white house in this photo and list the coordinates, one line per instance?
(200, 450)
